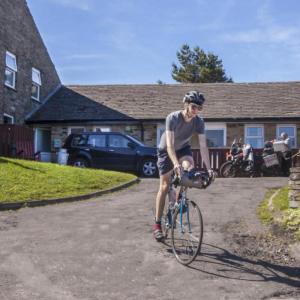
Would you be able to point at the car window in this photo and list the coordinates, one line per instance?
(97, 140)
(79, 140)
(117, 141)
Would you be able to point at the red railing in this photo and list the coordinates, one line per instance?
(217, 157)
(16, 141)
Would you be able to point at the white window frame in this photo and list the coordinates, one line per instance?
(287, 125)
(75, 127)
(218, 126)
(102, 128)
(11, 69)
(38, 84)
(160, 127)
(9, 116)
(254, 126)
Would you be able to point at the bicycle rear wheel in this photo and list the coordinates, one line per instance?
(186, 234)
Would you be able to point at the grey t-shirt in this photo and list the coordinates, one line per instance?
(183, 130)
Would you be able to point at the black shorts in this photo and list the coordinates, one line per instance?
(164, 162)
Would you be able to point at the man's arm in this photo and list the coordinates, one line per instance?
(171, 148)
(204, 150)
(172, 153)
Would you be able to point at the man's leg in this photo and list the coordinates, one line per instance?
(164, 183)
(187, 162)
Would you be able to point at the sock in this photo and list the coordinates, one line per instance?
(158, 222)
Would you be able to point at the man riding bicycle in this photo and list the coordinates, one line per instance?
(174, 151)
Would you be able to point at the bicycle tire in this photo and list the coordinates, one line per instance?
(186, 243)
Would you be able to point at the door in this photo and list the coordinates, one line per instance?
(121, 155)
(42, 140)
(97, 144)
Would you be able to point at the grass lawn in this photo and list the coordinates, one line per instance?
(278, 211)
(22, 180)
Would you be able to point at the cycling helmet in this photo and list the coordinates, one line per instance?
(193, 97)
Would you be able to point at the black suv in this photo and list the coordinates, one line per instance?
(111, 150)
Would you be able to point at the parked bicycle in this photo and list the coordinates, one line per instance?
(183, 216)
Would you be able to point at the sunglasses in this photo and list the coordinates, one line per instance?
(195, 106)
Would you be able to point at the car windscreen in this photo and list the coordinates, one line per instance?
(135, 140)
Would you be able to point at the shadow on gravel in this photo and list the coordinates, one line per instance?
(219, 262)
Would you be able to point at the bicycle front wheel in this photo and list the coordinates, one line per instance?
(187, 233)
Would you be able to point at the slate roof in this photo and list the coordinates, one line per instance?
(224, 101)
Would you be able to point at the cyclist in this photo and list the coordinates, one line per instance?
(174, 151)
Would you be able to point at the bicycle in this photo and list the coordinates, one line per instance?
(183, 217)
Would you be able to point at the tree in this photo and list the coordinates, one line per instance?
(197, 66)
(160, 82)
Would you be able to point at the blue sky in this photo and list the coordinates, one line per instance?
(135, 41)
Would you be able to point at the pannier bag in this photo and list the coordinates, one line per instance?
(280, 146)
(271, 160)
(196, 179)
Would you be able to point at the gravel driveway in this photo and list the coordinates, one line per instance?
(104, 249)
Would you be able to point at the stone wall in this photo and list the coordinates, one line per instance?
(60, 132)
(19, 35)
(150, 132)
(294, 184)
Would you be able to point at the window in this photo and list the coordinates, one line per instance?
(291, 131)
(117, 141)
(97, 140)
(215, 135)
(101, 129)
(7, 119)
(10, 70)
(76, 129)
(36, 84)
(254, 135)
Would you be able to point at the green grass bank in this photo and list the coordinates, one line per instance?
(23, 180)
(275, 209)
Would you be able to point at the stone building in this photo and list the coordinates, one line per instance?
(28, 74)
(31, 92)
(254, 112)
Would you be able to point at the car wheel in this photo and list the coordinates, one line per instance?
(81, 163)
(149, 168)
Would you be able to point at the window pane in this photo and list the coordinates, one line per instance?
(36, 76)
(254, 131)
(215, 137)
(97, 141)
(9, 77)
(255, 142)
(289, 130)
(117, 141)
(35, 91)
(11, 61)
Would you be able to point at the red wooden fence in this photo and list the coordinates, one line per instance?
(16, 141)
(217, 157)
